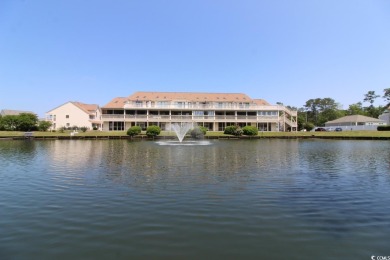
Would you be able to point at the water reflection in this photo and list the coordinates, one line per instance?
(255, 198)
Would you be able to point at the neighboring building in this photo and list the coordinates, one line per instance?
(9, 112)
(73, 114)
(386, 116)
(356, 122)
(214, 111)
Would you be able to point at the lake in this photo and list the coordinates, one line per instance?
(264, 199)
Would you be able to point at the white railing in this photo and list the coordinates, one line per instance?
(112, 116)
(116, 117)
(213, 106)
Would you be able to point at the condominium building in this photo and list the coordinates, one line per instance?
(214, 111)
(75, 114)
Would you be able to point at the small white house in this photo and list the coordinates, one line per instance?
(356, 122)
(77, 114)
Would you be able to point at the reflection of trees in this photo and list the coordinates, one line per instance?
(18, 150)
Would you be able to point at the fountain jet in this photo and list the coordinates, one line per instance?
(181, 129)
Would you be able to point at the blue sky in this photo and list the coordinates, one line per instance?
(284, 51)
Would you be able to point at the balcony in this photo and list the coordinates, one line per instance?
(187, 118)
(200, 106)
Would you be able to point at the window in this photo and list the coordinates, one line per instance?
(67, 116)
(162, 104)
(116, 126)
(198, 113)
(267, 113)
(67, 124)
(138, 103)
(179, 104)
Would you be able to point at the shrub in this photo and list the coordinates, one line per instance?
(62, 129)
(233, 130)
(250, 130)
(383, 128)
(95, 128)
(83, 129)
(198, 132)
(153, 131)
(308, 126)
(134, 130)
(44, 125)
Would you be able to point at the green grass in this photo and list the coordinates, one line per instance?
(328, 134)
(211, 133)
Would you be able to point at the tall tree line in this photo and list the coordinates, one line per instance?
(23, 122)
(318, 111)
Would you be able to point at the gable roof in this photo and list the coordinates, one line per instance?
(88, 108)
(355, 119)
(10, 112)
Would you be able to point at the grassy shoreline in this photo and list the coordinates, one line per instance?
(97, 134)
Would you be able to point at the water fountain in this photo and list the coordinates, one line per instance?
(181, 129)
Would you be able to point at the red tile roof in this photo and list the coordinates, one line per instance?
(88, 108)
(119, 102)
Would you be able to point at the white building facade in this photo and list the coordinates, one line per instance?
(214, 111)
(386, 116)
(356, 123)
(75, 114)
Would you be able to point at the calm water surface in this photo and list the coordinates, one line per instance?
(264, 199)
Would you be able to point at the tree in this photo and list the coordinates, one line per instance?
(312, 109)
(27, 122)
(386, 95)
(9, 123)
(134, 130)
(301, 118)
(153, 131)
(44, 125)
(250, 130)
(308, 126)
(198, 132)
(233, 130)
(374, 112)
(83, 129)
(356, 109)
(371, 110)
(370, 97)
(321, 110)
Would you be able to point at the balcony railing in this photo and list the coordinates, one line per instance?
(211, 106)
(214, 106)
(117, 117)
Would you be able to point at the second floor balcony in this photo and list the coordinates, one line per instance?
(167, 118)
